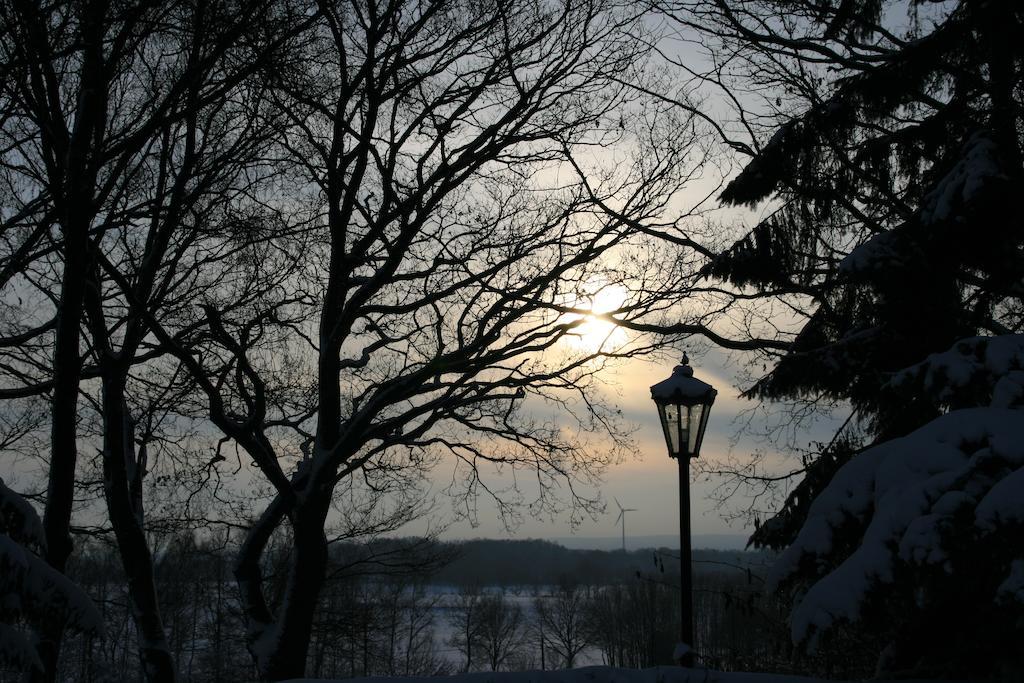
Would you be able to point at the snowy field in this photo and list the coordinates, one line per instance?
(604, 674)
(522, 596)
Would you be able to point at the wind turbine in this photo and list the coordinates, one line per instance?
(622, 516)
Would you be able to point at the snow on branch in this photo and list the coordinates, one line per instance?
(31, 589)
(976, 168)
(975, 371)
(896, 499)
(19, 520)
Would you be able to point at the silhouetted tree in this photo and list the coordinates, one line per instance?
(464, 620)
(894, 160)
(634, 624)
(561, 619)
(452, 239)
(125, 128)
(356, 238)
(501, 630)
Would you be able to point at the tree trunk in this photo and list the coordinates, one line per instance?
(72, 179)
(122, 479)
(280, 645)
(60, 489)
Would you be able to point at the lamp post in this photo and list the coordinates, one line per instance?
(684, 403)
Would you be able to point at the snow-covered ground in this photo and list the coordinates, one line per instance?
(601, 674)
(522, 596)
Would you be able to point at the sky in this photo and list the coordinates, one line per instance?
(648, 482)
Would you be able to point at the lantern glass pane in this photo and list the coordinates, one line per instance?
(693, 428)
(684, 428)
(670, 423)
(703, 425)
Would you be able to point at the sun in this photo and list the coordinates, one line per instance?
(596, 332)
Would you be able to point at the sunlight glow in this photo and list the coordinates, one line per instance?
(595, 332)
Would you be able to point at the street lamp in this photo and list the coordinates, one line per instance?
(684, 403)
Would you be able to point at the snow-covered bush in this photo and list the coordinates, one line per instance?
(920, 536)
(30, 590)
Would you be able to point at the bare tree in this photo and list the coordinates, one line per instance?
(501, 630)
(455, 229)
(122, 124)
(357, 238)
(486, 628)
(561, 619)
(464, 619)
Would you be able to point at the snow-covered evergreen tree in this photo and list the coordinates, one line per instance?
(30, 590)
(896, 165)
(919, 537)
(897, 184)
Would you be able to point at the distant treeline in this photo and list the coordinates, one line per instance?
(539, 563)
(379, 616)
